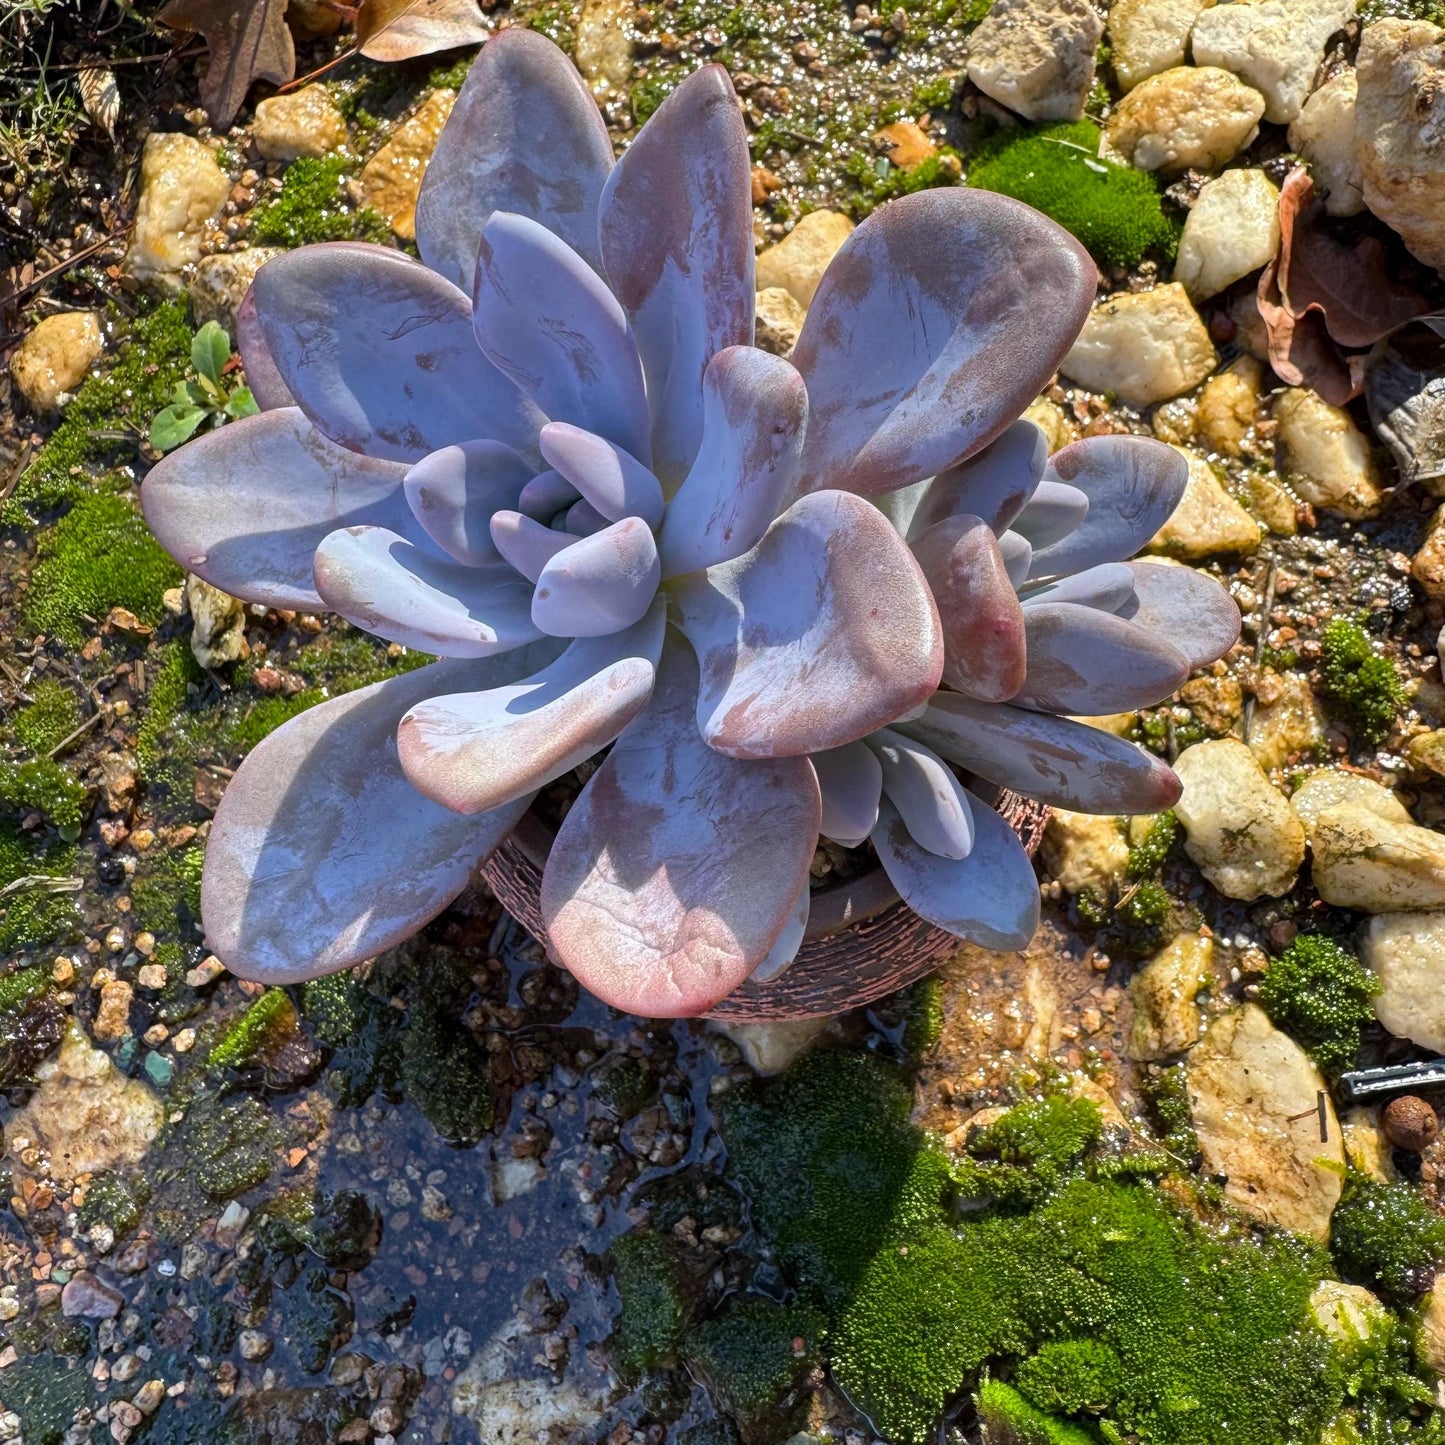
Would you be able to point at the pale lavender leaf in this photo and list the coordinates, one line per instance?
(822, 632)
(322, 854)
(939, 320)
(1189, 608)
(246, 507)
(610, 478)
(583, 519)
(525, 543)
(474, 751)
(850, 780)
(1017, 556)
(1060, 762)
(1108, 586)
(380, 581)
(546, 319)
(379, 353)
(525, 136)
(677, 868)
(599, 584)
(983, 624)
(1084, 661)
(547, 494)
(454, 492)
(790, 940)
(1053, 511)
(921, 786)
(1132, 483)
(993, 484)
(990, 898)
(677, 248)
(262, 377)
(755, 408)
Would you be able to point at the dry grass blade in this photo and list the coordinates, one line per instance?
(403, 29)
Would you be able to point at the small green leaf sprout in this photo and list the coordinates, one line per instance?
(204, 400)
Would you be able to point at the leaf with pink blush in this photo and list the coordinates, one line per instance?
(1084, 661)
(454, 492)
(938, 321)
(610, 479)
(583, 519)
(474, 751)
(990, 898)
(600, 584)
(677, 869)
(1108, 586)
(983, 624)
(993, 484)
(379, 353)
(545, 495)
(821, 633)
(1053, 511)
(525, 136)
(383, 583)
(1133, 485)
(850, 780)
(1060, 762)
(321, 854)
(262, 377)
(546, 319)
(1190, 608)
(785, 951)
(932, 802)
(525, 543)
(755, 408)
(246, 507)
(677, 248)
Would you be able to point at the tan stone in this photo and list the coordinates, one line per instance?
(779, 320)
(1324, 134)
(1289, 724)
(1406, 952)
(1215, 701)
(1324, 456)
(603, 51)
(1231, 230)
(770, 1047)
(112, 1018)
(1149, 36)
(1427, 752)
(1083, 850)
(1428, 568)
(1273, 503)
(1036, 56)
(1430, 1331)
(55, 357)
(1166, 1017)
(1143, 346)
(218, 624)
(1363, 861)
(221, 282)
(391, 179)
(1254, 1097)
(1049, 417)
(1331, 787)
(305, 123)
(1366, 1147)
(798, 261)
(1186, 117)
(1348, 1314)
(906, 144)
(182, 192)
(1229, 406)
(1208, 522)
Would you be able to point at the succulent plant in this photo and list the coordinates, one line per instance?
(549, 454)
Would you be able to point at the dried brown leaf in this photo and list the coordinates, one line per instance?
(100, 97)
(246, 41)
(403, 29)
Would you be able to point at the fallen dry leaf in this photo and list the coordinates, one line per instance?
(404, 29)
(246, 41)
(1405, 391)
(100, 97)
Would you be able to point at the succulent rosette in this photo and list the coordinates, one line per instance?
(548, 454)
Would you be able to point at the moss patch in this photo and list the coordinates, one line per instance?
(653, 1316)
(1362, 683)
(1386, 1237)
(51, 715)
(753, 1354)
(33, 915)
(313, 206)
(877, 179)
(44, 787)
(1319, 992)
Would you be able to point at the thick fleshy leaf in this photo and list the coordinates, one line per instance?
(1060, 762)
(546, 319)
(993, 484)
(1053, 511)
(755, 408)
(525, 136)
(474, 751)
(1188, 608)
(615, 483)
(246, 507)
(379, 353)
(525, 543)
(385, 584)
(677, 868)
(941, 317)
(790, 940)
(600, 584)
(983, 624)
(677, 247)
(850, 779)
(322, 854)
(1108, 586)
(454, 492)
(821, 633)
(931, 801)
(547, 494)
(1017, 556)
(1133, 485)
(262, 377)
(583, 519)
(1084, 661)
(990, 898)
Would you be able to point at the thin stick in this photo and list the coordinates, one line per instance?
(80, 255)
(66, 741)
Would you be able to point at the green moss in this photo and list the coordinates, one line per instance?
(923, 1020)
(362, 1029)
(558, 23)
(1026, 1152)
(20, 988)
(1362, 682)
(114, 1200)
(51, 715)
(1144, 909)
(46, 788)
(1147, 857)
(1116, 211)
(653, 1315)
(1072, 1377)
(651, 90)
(32, 1023)
(1431, 11)
(231, 1147)
(753, 1354)
(877, 179)
(109, 414)
(45, 1391)
(446, 1071)
(166, 892)
(98, 556)
(313, 205)
(453, 74)
(257, 1029)
(1319, 992)
(936, 94)
(1386, 1237)
(1009, 1419)
(33, 915)
(1168, 1095)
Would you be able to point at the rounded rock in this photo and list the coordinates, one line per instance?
(54, 358)
(1410, 1123)
(1187, 117)
(1232, 229)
